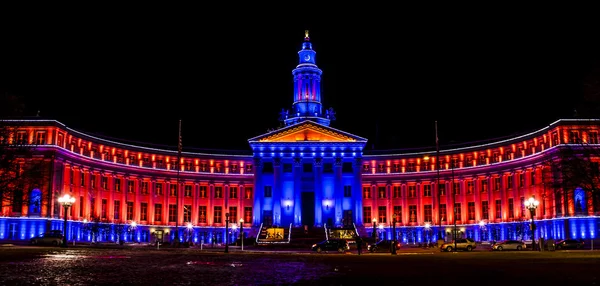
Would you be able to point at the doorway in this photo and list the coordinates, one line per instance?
(308, 208)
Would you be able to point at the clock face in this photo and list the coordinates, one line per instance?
(307, 57)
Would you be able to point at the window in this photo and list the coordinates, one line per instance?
(287, 168)
(442, 212)
(218, 214)
(233, 215)
(532, 177)
(103, 210)
(233, 192)
(130, 186)
(187, 190)
(485, 210)
(367, 192)
(456, 188)
(498, 209)
(172, 213)
(442, 189)
(247, 214)
(511, 208)
(412, 191)
(509, 182)
(412, 212)
(484, 185)
(307, 168)
(397, 191)
(80, 206)
(145, 188)
(470, 187)
(157, 212)
(92, 206)
(367, 214)
(555, 138)
(187, 213)
(521, 180)
(523, 206)
(173, 190)
(328, 168)
(203, 192)
(496, 183)
(21, 137)
(202, 214)
(117, 210)
(118, 184)
(458, 212)
(428, 213)
(129, 210)
(267, 167)
(144, 211)
(40, 138)
(218, 192)
(381, 193)
(248, 192)
(159, 189)
(398, 212)
(268, 192)
(593, 137)
(347, 167)
(347, 191)
(427, 190)
(92, 181)
(471, 210)
(82, 179)
(71, 176)
(382, 214)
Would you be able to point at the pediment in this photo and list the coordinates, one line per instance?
(307, 131)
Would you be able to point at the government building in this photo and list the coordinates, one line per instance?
(304, 175)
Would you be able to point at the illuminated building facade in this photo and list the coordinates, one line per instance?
(305, 173)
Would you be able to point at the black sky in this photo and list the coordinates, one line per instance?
(133, 76)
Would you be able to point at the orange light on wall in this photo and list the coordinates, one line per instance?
(196, 162)
(153, 158)
(126, 153)
(101, 148)
(113, 151)
(388, 163)
(139, 156)
(212, 163)
(90, 145)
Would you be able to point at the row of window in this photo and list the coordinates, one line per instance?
(267, 167)
(158, 212)
(428, 213)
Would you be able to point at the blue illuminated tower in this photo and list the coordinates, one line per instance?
(307, 90)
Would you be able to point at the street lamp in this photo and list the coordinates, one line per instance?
(234, 232)
(66, 200)
(531, 205)
(242, 236)
(394, 235)
(190, 232)
(482, 229)
(226, 232)
(132, 231)
(427, 229)
(374, 229)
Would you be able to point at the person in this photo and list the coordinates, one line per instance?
(359, 244)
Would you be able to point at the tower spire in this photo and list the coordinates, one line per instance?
(306, 38)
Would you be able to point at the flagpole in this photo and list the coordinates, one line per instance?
(177, 190)
(437, 163)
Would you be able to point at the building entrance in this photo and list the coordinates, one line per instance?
(308, 208)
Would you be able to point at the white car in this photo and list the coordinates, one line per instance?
(509, 245)
(467, 244)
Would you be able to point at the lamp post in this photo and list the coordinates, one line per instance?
(427, 235)
(190, 232)
(393, 249)
(531, 205)
(374, 229)
(66, 201)
(226, 232)
(132, 231)
(482, 229)
(242, 236)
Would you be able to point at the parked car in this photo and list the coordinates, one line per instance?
(339, 245)
(509, 245)
(467, 244)
(54, 238)
(569, 244)
(382, 246)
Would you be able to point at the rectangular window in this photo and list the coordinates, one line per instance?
(247, 214)
(398, 212)
(248, 193)
(92, 207)
(412, 191)
(397, 191)
(496, 183)
(172, 212)
(428, 213)
(521, 180)
(218, 192)
(268, 192)
(159, 189)
(443, 212)
(484, 210)
(484, 185)
(92, 181)
(470, 187)
(187, 191)
(82, 179)
(382, 214)
(144, 211)
(173, 190)
(471, 210)
(129, 210)
(593, 137)
(80, 206)
(442, 189)
(40, 138)
(458, 212)
(511, 208)
(187, 213)
(104, 211)
(307, 168)
(218, 214)
(381, 192)
(367, 192)
(71, 176)
(427, 190)
(202, 214)
(523, 206)
(267, 167)
(287, 168)
(233, 192)
(118, 184)
(157, 212)
(117, 210)
(130, 186)
(347, 191)
(21, 137)
(456, 188)
(498, 209)
(203, 192)
(328, 168)
(532, 177)
(233, 215)
(347, 167)
(509, 182)
(367, 214)
(412, 212)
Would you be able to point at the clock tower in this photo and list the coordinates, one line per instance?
(307, 90)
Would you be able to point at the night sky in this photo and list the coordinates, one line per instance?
(131, 77)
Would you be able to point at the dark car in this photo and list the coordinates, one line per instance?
(382, 246)
(339, 245)
(52, 237)
(569, 244)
